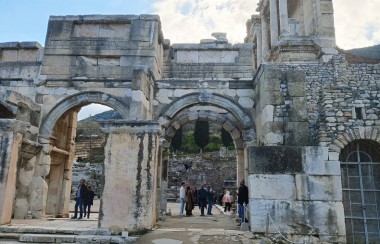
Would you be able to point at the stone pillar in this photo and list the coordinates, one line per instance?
(259, 47)
(273, 22)
(142, 95)
(241, 165)
(10, 141)
(164, 179)
(284, 23)
(130, 169)
(264, 36)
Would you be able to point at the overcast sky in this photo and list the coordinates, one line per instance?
(357, 23)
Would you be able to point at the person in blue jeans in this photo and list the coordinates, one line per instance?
(202, 198)
(242, 200)
(182, 194)
(210, 200)
(81, 195)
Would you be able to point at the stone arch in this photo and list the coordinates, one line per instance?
(360, 133)
(205, 98)
(228, 122)
(81, 99)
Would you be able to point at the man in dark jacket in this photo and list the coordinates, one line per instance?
(81, 194)
(242, 199)
(88, 201)
(202, 197)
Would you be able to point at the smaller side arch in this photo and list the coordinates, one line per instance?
(81, 99)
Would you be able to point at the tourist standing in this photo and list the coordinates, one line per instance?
(210, 200)
(81, 194)
(189, 201)
(88, 201)
(202, 196)
(182, 194)
(242, 200)
(227, 200)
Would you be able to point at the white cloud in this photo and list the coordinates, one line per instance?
(189, 21)
(357, 23)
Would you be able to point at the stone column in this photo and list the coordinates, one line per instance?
(164, 180)
(130, 169)
(264, 36)
(284, 24)
(10, 141)
(273, 22)
(259, 43)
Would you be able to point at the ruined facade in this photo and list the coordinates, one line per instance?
(304, 122)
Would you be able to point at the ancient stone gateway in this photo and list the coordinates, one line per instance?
(305, 123)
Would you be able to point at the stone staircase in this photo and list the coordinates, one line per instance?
(16, 234)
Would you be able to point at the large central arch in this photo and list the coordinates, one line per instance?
(233, 119)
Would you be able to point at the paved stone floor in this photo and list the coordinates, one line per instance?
(217, 228)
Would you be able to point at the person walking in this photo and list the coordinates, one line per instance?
(202, 197)
(210, 200)
(242, 200)
(81, 194)
(88, 202)
(227, 200)
(182, 194)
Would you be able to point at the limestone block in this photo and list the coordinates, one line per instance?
(38, 196)
(316, 162)
(262, 187)
(26, 174)
(298, 110)
(114, 30)
(274, 159)
(297, 134)
(209, 56)
(318, 188)
(245, 92)
(28, 55)
(273, 138)
(21, 208)
(246, 102)
(60, 91)
(43, 167)
(319, 218)
(163, 99)
(165, 93)
(229, 56)
(229, 92)
(333, 156)
(9, 56)
(181, 92)
(187, 56)
(267, 114)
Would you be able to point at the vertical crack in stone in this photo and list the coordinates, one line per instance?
(148, 166)
(3, 158)
(140, 158)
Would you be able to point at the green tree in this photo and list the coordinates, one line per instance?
(177, 140)
(226, 138)
(201, 134)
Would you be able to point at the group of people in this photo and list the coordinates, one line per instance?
(204, 198)
(190, 197)
(84, 199)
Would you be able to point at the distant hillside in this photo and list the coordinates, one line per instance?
(107, 115)
(369, 55)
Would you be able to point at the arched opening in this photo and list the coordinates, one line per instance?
(360, 168)
(221, 112)
(58, 154)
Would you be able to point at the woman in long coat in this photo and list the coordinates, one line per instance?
(189, 201)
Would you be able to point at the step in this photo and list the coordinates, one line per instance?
(51, 238)
(9, 236)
